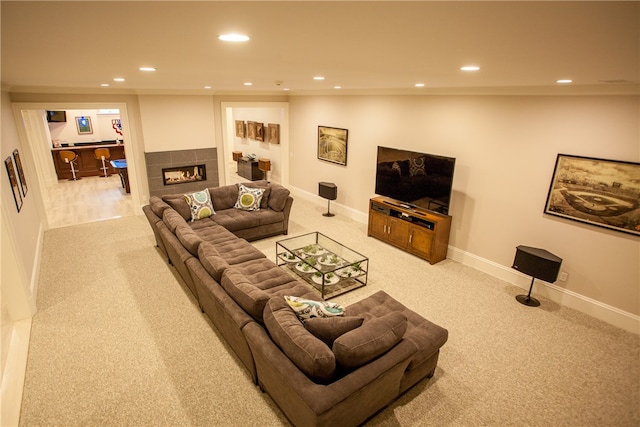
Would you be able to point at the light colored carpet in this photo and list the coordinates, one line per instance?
(119, 340)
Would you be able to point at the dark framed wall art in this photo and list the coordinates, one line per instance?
(600, 192)
(13, 180)
(23, 180)
(332, 144)
(260, 131)
(274, 133)
(241, 130)
(251, 130)
(83, 124)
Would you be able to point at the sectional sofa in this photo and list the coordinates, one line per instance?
(321, 363)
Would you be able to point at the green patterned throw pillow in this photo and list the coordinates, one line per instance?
(200, 204)
(249, 198)
(307, 309)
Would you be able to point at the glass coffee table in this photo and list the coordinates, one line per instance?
(328, 266)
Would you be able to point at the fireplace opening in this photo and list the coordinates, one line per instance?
(184, 174)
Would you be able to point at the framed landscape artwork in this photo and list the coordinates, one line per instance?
(13, 180)
(241, 131)
(23, 180)
(600, 192)
(332, 144)
(274, 133)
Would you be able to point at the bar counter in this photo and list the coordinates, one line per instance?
(86, 164)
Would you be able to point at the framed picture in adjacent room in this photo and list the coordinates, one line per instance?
(83, 124)
(23, 180)
(600, 192)
(259, 131)
(241, 130)
(251, 130)
(273, 133)
(13, 180)
(332, 144)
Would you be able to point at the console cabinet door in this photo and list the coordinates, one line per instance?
(420, 241)
(398, 232)
(378, 225)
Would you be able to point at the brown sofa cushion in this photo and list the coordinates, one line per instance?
(216, 259)
(178, 202)
(425, 335)
(328, 329)
(307, 352)
(157, 205)
(189, 239)
(251, 299)
(236, 219)
(173, 220)
(278, 197)
(372, 339)
(224, 197)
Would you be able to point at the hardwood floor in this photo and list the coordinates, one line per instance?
(87, 200)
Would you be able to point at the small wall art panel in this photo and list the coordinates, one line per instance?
(332, 144)
(23, 180)
(13, 180)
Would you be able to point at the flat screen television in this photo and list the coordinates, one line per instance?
(415, 179)
(56, 116)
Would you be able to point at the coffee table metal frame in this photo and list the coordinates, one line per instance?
(327, 265)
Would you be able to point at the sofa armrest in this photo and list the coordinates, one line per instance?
(350, 400)
(286, 211)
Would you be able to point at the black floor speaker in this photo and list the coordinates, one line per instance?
(537, 263)
(329, 191)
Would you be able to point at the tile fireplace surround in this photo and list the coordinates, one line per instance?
(176, 159)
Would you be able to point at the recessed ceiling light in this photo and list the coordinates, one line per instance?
(470, 68)
(233, 38)
(207, 87)
(564, 81)
(318, 78)
(248, 84)
(419, 84)
(337, 87)
(104, 84)
(148, 69)
(286, 88)
(118, 79)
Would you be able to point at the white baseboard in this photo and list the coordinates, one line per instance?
(13, 376)
(335, 207)
(607, 313)
(612, 315)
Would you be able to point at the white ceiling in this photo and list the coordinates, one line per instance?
(363, 46)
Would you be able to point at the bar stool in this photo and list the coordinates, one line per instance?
(103, 154)
(70, 157)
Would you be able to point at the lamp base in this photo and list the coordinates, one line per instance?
(328, 214)
(527, 300)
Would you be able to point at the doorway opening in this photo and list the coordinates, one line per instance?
(94, 195)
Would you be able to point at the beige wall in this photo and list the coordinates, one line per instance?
(25, 226)
(172, 122)
(506, 147)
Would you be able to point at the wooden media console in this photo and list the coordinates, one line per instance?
(418, 231)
